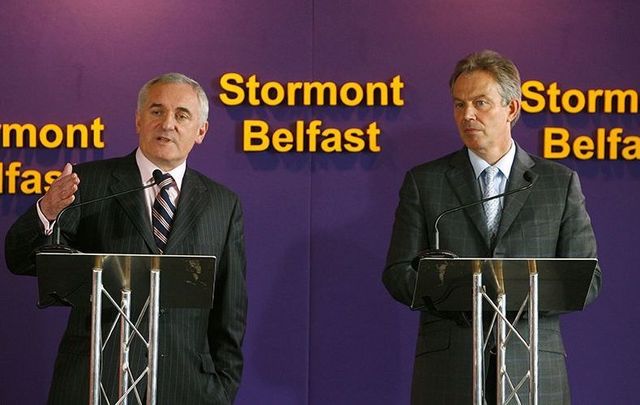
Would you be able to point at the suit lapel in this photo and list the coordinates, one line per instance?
(127, 177)
(514, 202)
(191, 204)
(462, 180)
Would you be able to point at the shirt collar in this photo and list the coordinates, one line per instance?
(504, 164)
(147, 167)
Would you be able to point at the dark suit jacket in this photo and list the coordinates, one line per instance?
(200, 359)
(548, 220)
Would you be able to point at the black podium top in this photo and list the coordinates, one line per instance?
(445, 284)
(66, 278)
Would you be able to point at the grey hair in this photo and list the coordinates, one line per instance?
(176, 78)
(503, 70)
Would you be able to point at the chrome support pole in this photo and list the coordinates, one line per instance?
(501, 331)
(478, 371)
(154, 312)
(501, 348)
(533, 333)
(125, 335)
(96, 333)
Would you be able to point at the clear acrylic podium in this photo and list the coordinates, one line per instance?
(532, 286)
(84, 280)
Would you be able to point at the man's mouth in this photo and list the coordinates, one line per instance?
(164, 139)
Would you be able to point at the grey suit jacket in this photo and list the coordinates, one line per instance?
(548, 220)
(200, 358)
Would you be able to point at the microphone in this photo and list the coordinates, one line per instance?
(57, 246)
(437, 252)
(157, 177)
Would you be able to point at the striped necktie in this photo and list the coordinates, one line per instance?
(163, 210)
(492, 209)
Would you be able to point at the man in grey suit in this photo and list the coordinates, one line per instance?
(200, 358)
(547, 220)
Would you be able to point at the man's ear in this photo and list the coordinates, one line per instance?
(137, 123)
(514, 108)
(202, 131)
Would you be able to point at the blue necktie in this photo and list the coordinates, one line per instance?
(492, 210)
(163, 211)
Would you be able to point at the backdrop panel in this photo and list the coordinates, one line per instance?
(321, 328)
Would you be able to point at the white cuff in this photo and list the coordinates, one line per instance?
(48, 226)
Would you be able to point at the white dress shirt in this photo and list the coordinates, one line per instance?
(146, 168)
(503, 165)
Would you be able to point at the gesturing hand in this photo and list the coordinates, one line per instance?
(60, 194)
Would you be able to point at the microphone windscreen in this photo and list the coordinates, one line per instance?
(157, 176)
(529, 177)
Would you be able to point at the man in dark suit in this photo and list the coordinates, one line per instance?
(547, 220)
(200, 358)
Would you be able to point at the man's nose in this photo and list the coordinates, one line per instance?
(168, 121)
(469, 113)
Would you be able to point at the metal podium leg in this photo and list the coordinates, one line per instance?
(501, 347)
(533, 333)
(154, 311)
(125, 334)
(500, 332)
(478, 371)
(96, 333)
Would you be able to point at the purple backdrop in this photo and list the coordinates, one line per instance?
(321, 327)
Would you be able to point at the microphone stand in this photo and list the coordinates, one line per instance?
(57, 246)
(446, 254)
